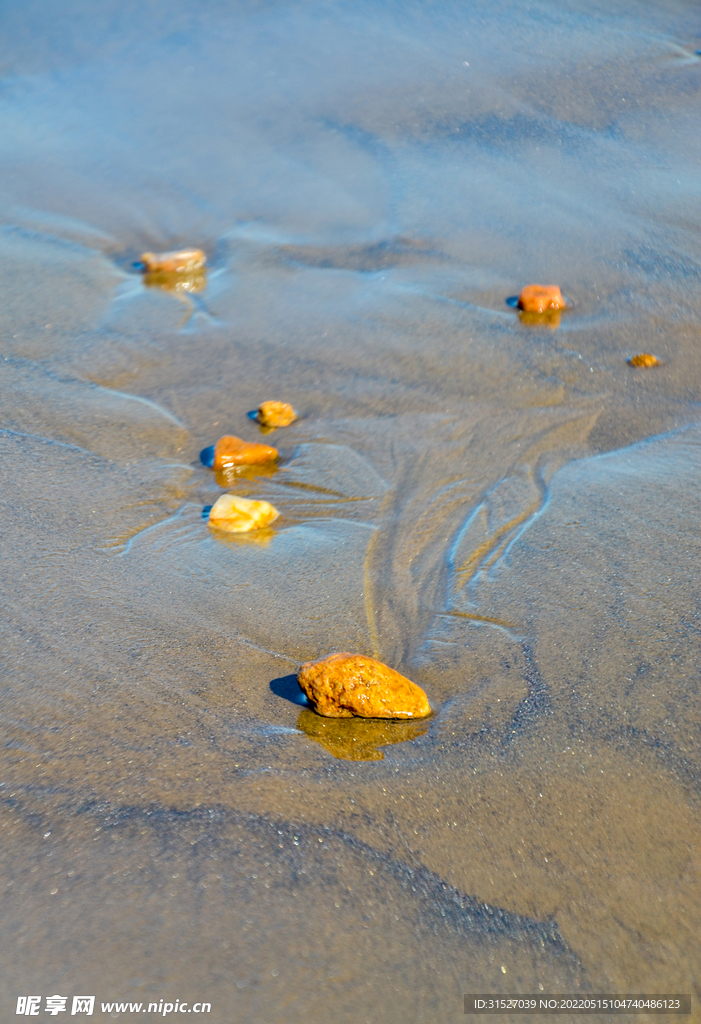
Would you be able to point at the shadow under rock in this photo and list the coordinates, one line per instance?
(288, 688)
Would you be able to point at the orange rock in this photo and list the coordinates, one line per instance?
(182, 262)
(537, 298)
(233, 451)
(239, 515)
(644, 359)
(347, 685)
(276, 414)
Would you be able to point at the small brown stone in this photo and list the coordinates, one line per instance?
(234, 451)
(239, 515)
(644, 359)
(276, 414)
(537, 298)
(347, 685)
(182, 262)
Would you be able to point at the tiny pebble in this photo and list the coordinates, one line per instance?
(644, 359)
(275, 414)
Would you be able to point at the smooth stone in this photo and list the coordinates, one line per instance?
(275, 414)
(239, 515)
(353, 685)
(234, 451)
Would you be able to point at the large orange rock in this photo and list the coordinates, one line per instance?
(538, 298)
(234, 451)
(276, 414)
(347, 685)
(240, 515)
(182, 262)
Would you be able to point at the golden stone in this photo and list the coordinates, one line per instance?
(239, 515)
(352, 685)
(276, 414)
(644, 359)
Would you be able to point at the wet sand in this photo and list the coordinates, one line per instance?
(505, 512)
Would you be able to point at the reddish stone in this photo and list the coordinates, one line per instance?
(538, 298)
(233, 451)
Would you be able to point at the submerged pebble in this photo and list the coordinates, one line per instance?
(177, 262)
(175, 272)
(538, 298)
(234, 451)
(644, 359)
(239, 515)
(352, 685)
(275, 414)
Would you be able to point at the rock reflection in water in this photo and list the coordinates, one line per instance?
(355, 739)
(180, 283)
(228, 475)
(254, 538)
(550, 318)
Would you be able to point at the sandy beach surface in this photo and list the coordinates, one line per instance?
(504, 511)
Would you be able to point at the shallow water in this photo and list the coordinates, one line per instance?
(505, 512)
